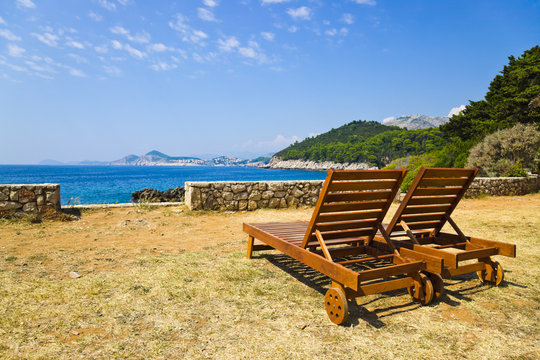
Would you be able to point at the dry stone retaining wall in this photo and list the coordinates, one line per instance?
(503, 186)
(251, 195)
(29, 198)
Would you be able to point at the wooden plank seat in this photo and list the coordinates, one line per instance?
(339, 241)
(426, 208)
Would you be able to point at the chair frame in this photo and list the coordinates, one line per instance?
(334, 232)
(426, 208)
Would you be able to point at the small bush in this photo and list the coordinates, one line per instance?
(413, 165)
(507, 151)
(516, 171)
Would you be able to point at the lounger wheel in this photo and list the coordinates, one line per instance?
(438, 285)
(425, 293)
(336, 305)
(493, 274)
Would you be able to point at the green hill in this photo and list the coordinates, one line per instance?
(364, 141)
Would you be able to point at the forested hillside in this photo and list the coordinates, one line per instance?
(365, 141)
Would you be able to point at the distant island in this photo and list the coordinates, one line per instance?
(157, 158)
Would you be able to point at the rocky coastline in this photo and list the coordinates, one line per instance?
(277, 163)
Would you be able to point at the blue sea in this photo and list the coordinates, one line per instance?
(114, 184)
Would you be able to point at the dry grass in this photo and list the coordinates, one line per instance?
(167, 283)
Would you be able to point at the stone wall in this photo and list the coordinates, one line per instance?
(29, 198)
(251, 195)
(503, 186)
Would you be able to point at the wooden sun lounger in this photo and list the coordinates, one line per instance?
(427, 207)
(340, 239)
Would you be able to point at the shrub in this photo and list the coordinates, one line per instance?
(413, 165)
(507, 151)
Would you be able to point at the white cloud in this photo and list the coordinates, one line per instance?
(141, 37)
(112, 70)
(8, 35)
(163, 66)
(456, 110)
(365, 2)
(292, 29)
(388, 119)
(187, 32)
(75, 44)
(95, 16)
(134, 52)
(47, 38)
(2, 22)
(301, 13)
(107, 5)
(228, 44)
(331, 32)
(15, 51)
(247, 52)
(101, 49)
(76, 72)
(78, 58)
(117, 45)
(348, 18)
(158, 47)
(210, 3)
(205, 14)
(123, 2)
(278, 143)
(274, 1)
(268, 35)
(25, 4)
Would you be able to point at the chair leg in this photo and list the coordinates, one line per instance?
(251, 240)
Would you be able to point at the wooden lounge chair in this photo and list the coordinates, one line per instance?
(426, 208)
(340, 235)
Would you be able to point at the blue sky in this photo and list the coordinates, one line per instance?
(100, 79)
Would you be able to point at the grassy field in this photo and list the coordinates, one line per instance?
(166, 283)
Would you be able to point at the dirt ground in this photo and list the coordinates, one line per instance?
(149, 282)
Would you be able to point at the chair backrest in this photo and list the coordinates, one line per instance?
(352, 203)
(433, 195)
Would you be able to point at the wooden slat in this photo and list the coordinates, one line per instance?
(505, 249)
(443, 181)
(368, 195)
(338, 241)
(358, 215)
(431, 200)
(450, 259)
(418, 225)
(448, 172)
(476, 254)
(352, 206)
(434, 264)
(344, 225)
(361, 185)
(392, 270)
(366, 259)
(366, 174)
(422, 209)
(464, 269)
(385, 286)
(437, 191)
(346, 234)
(422, 217)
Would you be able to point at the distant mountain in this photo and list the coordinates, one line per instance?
(156, 158)
(414, 122)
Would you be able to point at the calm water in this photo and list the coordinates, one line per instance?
(111, 184)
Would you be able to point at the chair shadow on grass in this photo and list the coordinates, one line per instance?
(320, 283)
